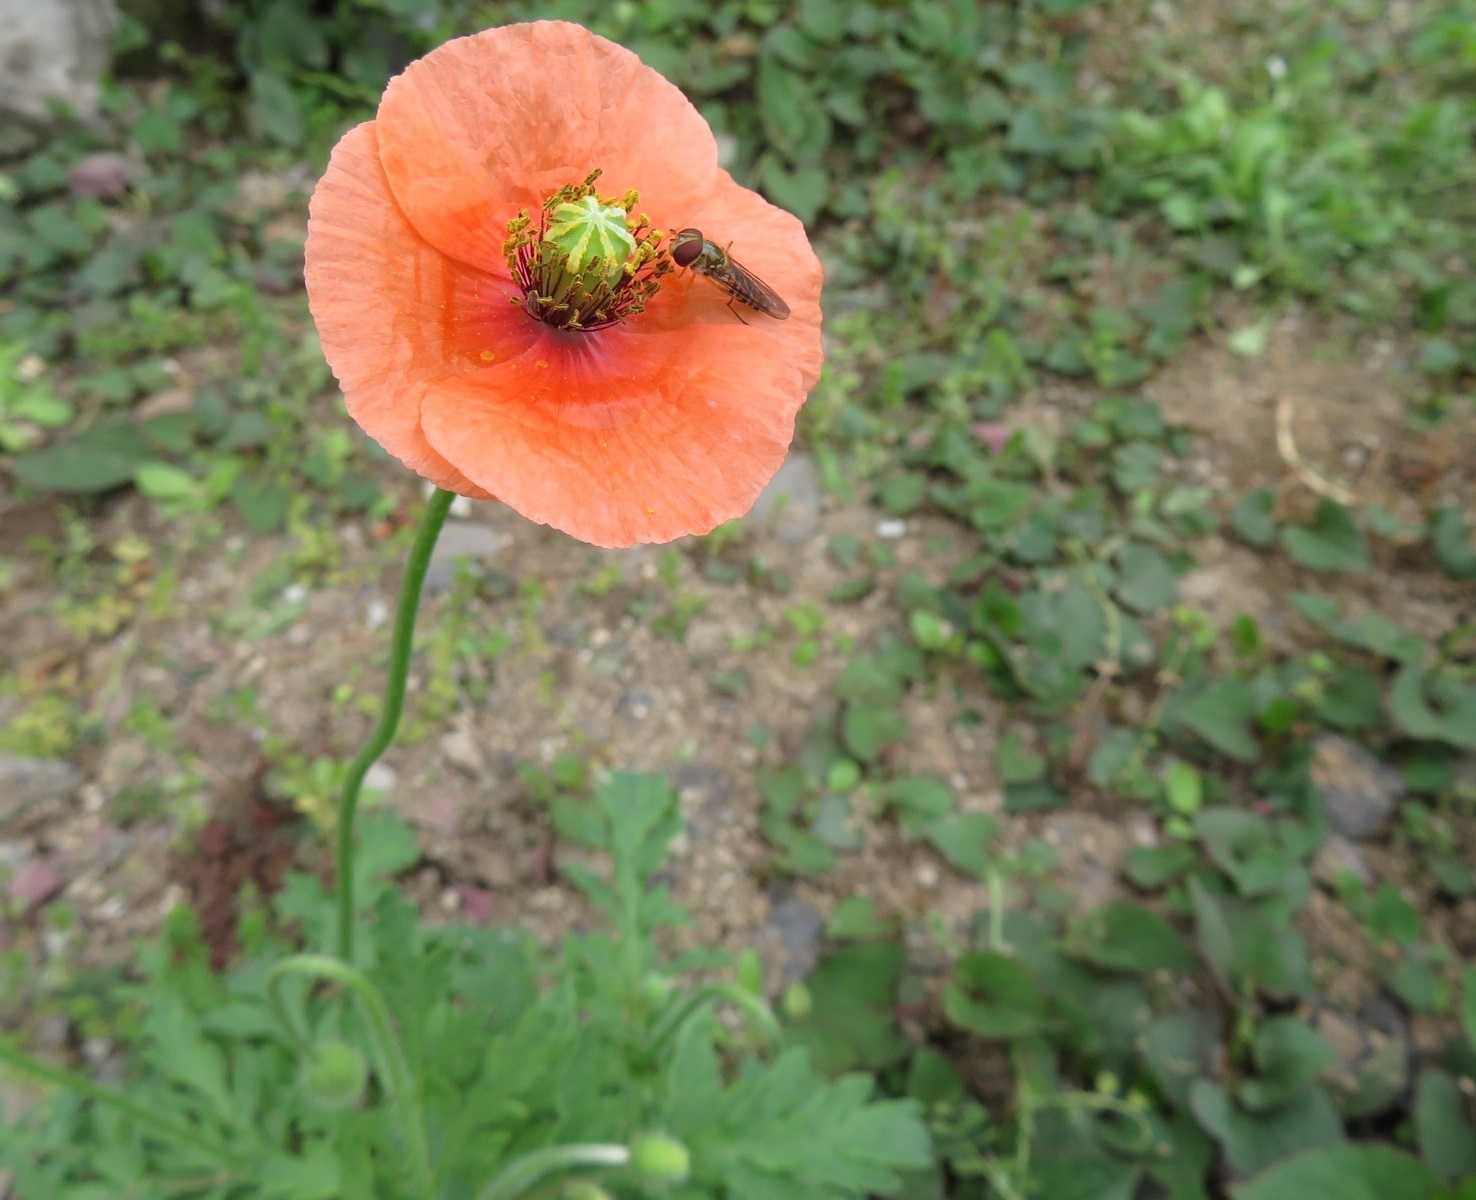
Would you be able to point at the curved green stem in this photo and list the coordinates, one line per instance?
(389, 717)
(148, 1118)
(533, 1168)
(759, 1014)
(389, 1055)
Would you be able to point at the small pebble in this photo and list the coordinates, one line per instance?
(380, 778)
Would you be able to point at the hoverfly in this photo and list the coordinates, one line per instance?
(690, 249)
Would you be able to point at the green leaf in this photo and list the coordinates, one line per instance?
(161, 481)
(802, 189)
(994, 996)
(1127, 937)
(1032, 797)
(919, 800)
(262, 503)
(932, 1079)
(1222, 714)
(902, 492)
(1333, 542)
(1289, 1055)
(1153, 867)
(1183, 788)
(1344, 1173)
(1085, 1177)
(781, 1131)
(1179, 1048)
(1468, 1004)
(1454, 549)
(963, 839)
(1244, 845)
(1145, 580)
(1253, 518)
(852, 1022)
(1447, 1139)
(856, 919)
(823, 20)
(793, 119)
(275, 108)
(1249, 942)
(1017, 762)
(1372, 632)
(247, 430)
(1135, 467)
(102, 458)
(1436, 707)
(868, 729)
(314, 1175)
(1253, 1141)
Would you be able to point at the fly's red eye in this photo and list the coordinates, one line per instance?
(686, 247)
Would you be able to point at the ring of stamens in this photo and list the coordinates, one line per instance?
(571, 293)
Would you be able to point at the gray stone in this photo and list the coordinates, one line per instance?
(29, 783)
(1359, 792)
(1336, 857)
(35, 883)
(706, 795)
(468, 539)
(1371, 1049)
(50, 53)
(106, 176)
(461, 750)
(799, 928)
(381, 778)
(790, 505)
(635, 704)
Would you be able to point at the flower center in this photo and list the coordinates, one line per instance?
(586, 264)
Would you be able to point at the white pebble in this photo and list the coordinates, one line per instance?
(380, 778)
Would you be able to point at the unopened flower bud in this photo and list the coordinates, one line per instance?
(797, 1002)
(335, 1074)
(660, 1159)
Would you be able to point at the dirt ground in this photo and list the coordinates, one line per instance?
(584, 674)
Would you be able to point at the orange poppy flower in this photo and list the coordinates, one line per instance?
(482, 339)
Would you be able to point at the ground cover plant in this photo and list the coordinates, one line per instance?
(1062, 784)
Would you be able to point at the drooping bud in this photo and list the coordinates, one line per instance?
(335, 1074)
(660, 1159)
(797, 1002)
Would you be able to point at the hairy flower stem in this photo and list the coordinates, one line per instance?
(530, 1170)
(389, 717)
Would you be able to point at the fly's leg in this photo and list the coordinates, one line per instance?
(734, 311)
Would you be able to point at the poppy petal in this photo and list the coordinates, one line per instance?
(489, 124)
(382, 299)
(623, 438)
(767, 241)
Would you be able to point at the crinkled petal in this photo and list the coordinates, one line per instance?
(624, 437)
(770, 243)
(393, 314)
(490, 124)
